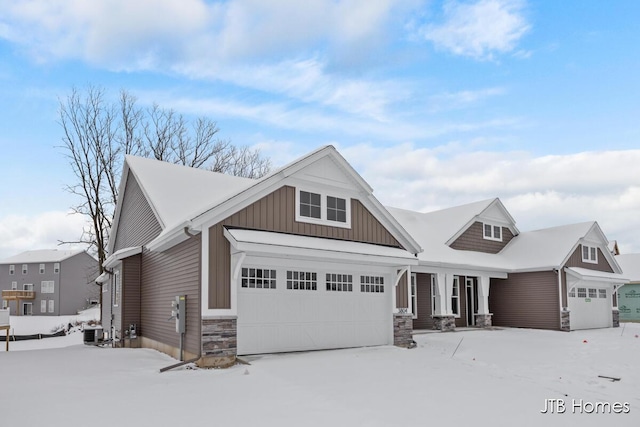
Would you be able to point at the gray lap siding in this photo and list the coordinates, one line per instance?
(526, 300)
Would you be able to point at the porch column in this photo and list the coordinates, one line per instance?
(403, 318)
(483, 317)
(443, 318)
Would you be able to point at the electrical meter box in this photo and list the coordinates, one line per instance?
(179, 312)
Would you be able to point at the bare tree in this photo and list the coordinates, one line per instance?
(97, 134)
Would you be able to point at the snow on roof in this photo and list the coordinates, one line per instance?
(595, 275)
(630, 264)
(176, 191)
(41, 256)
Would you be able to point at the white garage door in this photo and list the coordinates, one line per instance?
(590, 306)
(283, 309)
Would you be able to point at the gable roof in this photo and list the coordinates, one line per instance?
(184, 198)
(630, 264)
(41, 256)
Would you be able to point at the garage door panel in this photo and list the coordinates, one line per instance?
(589, 312)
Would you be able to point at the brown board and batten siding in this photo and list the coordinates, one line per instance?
(526, 300)
(130, 310)
(166, 275)
(276, 212)
(137, 224)
(473, 240)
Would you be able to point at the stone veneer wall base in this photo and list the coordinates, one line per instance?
(403, 330)
(444, 323)
(483, 320)
(616, 318)
(219, 342)
(565, 320)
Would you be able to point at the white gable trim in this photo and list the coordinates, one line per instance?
(601, 243)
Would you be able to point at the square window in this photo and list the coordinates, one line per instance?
(593, 293)
(582, 292)
(310, 204)
(602, 293)
(492, 232)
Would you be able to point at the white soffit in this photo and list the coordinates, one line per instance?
(595, 275)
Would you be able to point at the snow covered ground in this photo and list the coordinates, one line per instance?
(495, 378)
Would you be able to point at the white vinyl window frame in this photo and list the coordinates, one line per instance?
(414, 295)
(52, 306)
(589, 254)
(5, 304)
(27, 286)
(14, 286)
(492, 231)
(455, 297)
(324, 208)
(47, 287)
(43, 306)
(433, 294)
(12, 269)
(116, 288)
(41, 269)
(56, 267)
(25, 269)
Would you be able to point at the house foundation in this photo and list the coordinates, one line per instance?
(403, 330)
(219, 342)
(444, 323)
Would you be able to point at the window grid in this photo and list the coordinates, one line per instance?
(258, 278)
(339, 282)
(47, 287)
(304, 280)
(593, 293)
(602, 293)
(492, 232)
(590, 254)
(582, 292)
(310, 205)
(373, 284)
(336, 209)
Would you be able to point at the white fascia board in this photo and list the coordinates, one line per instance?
(116, 216)
(118, 256)
(595, 275)
(460, 270)
(171, 238)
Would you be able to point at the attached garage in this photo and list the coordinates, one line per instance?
(297, 293)
(590, 297)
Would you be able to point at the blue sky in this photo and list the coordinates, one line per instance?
(435, 103)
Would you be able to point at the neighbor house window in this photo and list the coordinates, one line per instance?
(56, 267)
(12, 269)
(5, 303)
(27, 287)
(305, 280)
(24, 269)
(27, 309)
(590, 254)
(43, 306)
(336, 209)
(322, 208)
(492, 232)
(47, 287)
(602, 293)
(41, 269)
(310, 205)
(582, 292)
(258, 278)
(455, 296)
(373, 284)
(414, 295)
(339, 282)
(14, 286)
(52, 306)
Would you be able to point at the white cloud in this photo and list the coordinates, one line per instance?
(20, 233)
(539, 191)
(479, 29)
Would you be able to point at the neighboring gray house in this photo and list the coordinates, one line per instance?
(48, 282)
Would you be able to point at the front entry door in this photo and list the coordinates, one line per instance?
(472, 300)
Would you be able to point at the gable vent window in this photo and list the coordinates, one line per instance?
(310, 204)
(323, 208)
(590, 254)
(492, 232)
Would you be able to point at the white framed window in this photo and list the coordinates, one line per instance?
(593, 293)
(41, 269)
(14, 286)
(433, 293)
(25, 269)
(319, 207)
(47, 286)
(590, 254)
(43, 306)
(52, 306)
(582, 292)
(372, 284)
(492, 232)
(304, 280)
(12, 269)
(339, 282)
(414, 295)
(27, 287)
(5, 304)
(602, 293)
(27, 309)
(56, 267)
(455, 296)
(116, 288)
(258, 278)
